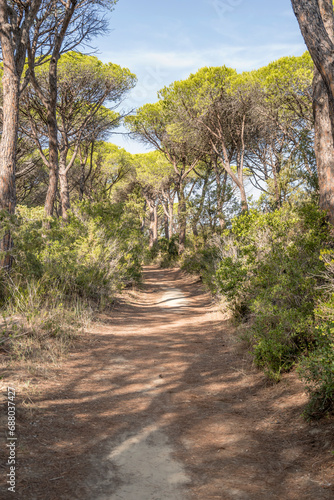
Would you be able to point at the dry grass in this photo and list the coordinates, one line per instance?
(39, 336)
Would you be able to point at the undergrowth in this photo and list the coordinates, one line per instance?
(62, 273)
(276, 272)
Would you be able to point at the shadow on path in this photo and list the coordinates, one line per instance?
(160, 403)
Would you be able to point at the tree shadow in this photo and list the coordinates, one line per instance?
(180, 376)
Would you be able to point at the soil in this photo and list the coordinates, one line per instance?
(159, 401)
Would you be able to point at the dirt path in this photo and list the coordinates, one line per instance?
(159, 402)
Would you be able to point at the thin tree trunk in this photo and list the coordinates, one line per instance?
(200, 208)
(277, 191)
(243, 196)
(82, 181)
(142, 227)
(64, 187)
(244, 204)
(221, 191)
(167, 202)
(50, 102)
(194, 228)
(166, 224)
(171, 220)
(182, 216)
(153, 230)
(155, 226)
(53, 139)
(237, 179)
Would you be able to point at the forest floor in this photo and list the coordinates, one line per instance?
(159, 401)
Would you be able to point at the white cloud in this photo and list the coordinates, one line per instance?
(240, 57)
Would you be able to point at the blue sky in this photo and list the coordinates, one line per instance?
(165, 41)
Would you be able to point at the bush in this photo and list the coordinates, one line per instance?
(200, 257)
(164, 251)
(317, 369)
(268, 272)
(318, 372)
(60, 271)
(90, 257)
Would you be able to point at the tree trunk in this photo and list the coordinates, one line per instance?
(50, 102)
(166, 224)
(82, 181)
(155, 226)
(16, 20)
(10, 82)
(153, 231)
(316, 22)
(182, 216)
(240, 168)
(142, 226)
(171, 219)
(243, 196)
(199, 212)
(221, 192)
(276, 186)
(64, 188)
(323, 145)
(51, 192)
(222, 222)
(237, 179)
(53, 139)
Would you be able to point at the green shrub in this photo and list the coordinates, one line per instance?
(318, 372)
(167, 251)
(269, 273)
(97, 253)
(61, 270)
(201, 258)
(317, 369)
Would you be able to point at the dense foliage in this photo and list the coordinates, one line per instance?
(268, 271)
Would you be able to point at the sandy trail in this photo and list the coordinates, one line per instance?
(159, 402)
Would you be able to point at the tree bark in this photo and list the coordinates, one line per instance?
(182, 216)
(53, 139)
(64, 187)
(276, 184)
(50, 102)
(167, 202)
(240, 167)
(221, 192)
(316, 21)
(142, 226)
(171, 219)
(82, 181)
(153, 230)
(237, 179)
(14, 36)
(323, 145)
(196, 217)
(155, 226)
(166, 224)
(10, 82)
